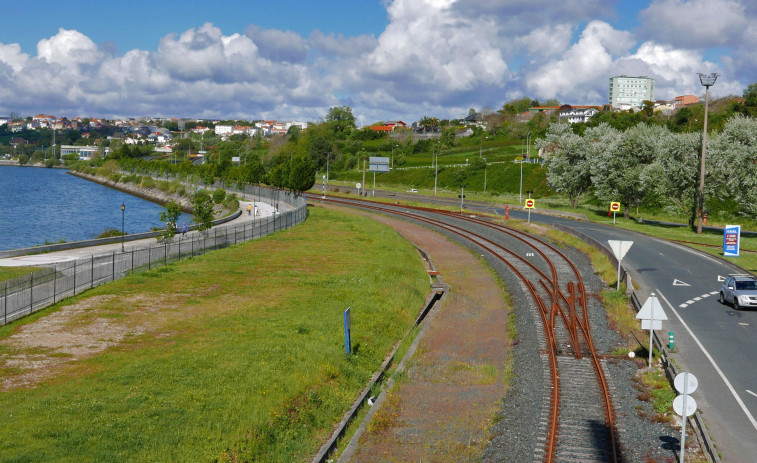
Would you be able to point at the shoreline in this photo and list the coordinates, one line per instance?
(154, 195)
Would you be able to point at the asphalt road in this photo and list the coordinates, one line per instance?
(713, 341)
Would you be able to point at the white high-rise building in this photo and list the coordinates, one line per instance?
(630, 92)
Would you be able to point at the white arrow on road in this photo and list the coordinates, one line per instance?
(677, 282)
(720, 278)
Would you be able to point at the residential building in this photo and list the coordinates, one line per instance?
(686, 100)
(575, 114)
(85, 153)
(388, 126)
(4, 120)
(630, 92)
(224, 129)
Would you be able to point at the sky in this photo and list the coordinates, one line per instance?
(385, 59)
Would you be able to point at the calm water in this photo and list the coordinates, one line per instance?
(40, 205)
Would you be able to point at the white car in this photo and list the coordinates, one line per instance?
(739, 290)
(413, 190)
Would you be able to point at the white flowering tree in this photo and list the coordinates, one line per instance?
(564, 157)
(672, 180)
(617, 171)
(732, 160)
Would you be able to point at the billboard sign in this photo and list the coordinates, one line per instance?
(378, 164)
(731, 240)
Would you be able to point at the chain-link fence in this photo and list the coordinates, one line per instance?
(29, 293)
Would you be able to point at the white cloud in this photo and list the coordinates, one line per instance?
(583, 68)
(11, 55)
(69, 48)
(695, 23)
(546, 41)
(435, 57)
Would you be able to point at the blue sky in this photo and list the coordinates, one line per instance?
(388, 59)
(141, 24)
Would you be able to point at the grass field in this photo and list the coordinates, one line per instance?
(6, 273)
(237, 355)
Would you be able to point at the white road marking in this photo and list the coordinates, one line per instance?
(744, 324)
(720, 278)
(683, 306)
(677, 282)
(712, 362)
(751, 392)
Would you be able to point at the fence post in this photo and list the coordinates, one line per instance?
(92, 272)
(31, 293)
(113, 268)
(5, 304)
(55, 282)
(75, 277)
(149, 258)
(165, 252)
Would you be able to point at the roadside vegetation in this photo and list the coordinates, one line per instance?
(236, 355)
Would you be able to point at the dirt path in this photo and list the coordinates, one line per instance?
(442, 408)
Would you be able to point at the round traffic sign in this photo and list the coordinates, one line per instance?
(685, 383)
(615, 206)
(529, 203)
(358, 185)
(691, 405)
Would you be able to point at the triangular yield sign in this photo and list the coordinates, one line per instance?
(651, 308)
(619, 248)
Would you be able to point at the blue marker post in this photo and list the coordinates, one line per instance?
(347, 328)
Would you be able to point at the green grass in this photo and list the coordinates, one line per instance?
(243, 360)
(6, 273)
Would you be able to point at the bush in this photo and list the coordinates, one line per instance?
(147, 182)
(219, 195)
(109, 232)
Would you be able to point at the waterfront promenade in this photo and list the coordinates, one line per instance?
(265, 211)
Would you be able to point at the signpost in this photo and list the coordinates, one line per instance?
(651, 316)
(732, 240)
(347, 328)
(358, 185)
(377, 164)
(614, 207)
(684, 404)
(619, 249)
(530, 204)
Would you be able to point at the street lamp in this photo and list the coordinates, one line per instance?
(707, 81)
(520, 195)
(123, 209)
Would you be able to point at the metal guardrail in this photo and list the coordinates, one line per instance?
(29, 293)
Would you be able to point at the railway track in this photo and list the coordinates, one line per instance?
(577, 421)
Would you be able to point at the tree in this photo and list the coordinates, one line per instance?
(301, 173)
(340, 119)
(170, 216)
(734, 164)
(616, 170)
(202, 204)
(565, 156)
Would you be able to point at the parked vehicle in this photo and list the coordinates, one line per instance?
(739, 290)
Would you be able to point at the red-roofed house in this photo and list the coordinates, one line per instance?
(388, 126)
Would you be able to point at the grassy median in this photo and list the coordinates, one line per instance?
(237, 355)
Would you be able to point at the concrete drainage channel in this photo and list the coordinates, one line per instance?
(438, 290)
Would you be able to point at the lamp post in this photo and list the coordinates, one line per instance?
(520, 194)
(707, 81)
(123, 209)
(462, 196)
